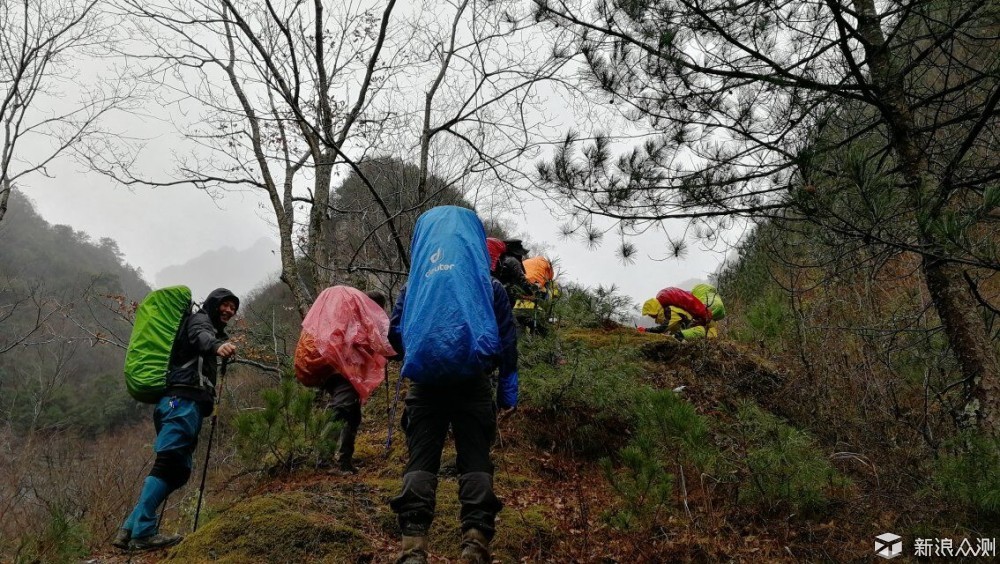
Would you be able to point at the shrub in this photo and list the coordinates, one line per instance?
(642, 483)
(669, 434)
(674, 425)
(63, 540)
(768, 319)
(579, 306)
(288, 432)
(783, 465)
(969, 474)
(588, 396)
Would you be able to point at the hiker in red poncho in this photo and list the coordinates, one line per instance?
(342, 351)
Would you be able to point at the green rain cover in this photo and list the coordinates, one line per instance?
(710, 297)
(156, 323)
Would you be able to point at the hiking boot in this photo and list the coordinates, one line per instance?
(154, 542)
(121, 539)
(343, 468)
(414, 551)
(475, 547)
(347, 465)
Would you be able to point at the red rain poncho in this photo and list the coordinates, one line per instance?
(495, 247)
(686, 301)
(344, 333)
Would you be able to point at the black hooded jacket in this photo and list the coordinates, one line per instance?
(198, 339)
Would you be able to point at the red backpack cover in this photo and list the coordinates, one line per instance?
(685, 300)
(344, 333)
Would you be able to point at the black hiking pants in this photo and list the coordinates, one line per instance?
(346, 405)
(468, 409)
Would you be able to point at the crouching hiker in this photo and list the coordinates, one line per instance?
(342, 350)
(189, 397)
(453, 325)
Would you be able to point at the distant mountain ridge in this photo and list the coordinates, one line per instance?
(238, 270)
(34, 251)
(64, 308)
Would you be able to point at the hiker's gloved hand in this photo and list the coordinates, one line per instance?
(226, 350)
(507, 391)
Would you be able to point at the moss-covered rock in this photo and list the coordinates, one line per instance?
(280, 527)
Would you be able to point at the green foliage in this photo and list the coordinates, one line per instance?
(596, 381)
(768, 319)
(969, 474)
(93, 409)
(288, 432)
(63, 540)
(642, 484)
(675, 426)
(784, 466)
(67, 260)
(588, 393)
(579, 306)
(56, 319)
(669, 434)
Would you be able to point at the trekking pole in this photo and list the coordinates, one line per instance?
(163, 509)
(388, 407)
(208, 449)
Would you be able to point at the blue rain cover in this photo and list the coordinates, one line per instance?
(448, 325)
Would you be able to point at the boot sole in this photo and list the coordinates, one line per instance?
(134, 548)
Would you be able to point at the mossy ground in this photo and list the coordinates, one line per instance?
(319, 525)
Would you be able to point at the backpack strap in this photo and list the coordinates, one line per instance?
(203, 382)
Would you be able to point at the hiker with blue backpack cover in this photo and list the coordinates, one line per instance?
(188, 398)
(453, 326)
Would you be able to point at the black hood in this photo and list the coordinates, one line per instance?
(214, 300)
(516, 248)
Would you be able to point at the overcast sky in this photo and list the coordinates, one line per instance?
(161, 228)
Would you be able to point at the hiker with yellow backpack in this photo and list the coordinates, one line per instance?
(532, 309)
(172, 361)
(687, 316)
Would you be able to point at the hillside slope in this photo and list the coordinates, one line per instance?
(563, 474)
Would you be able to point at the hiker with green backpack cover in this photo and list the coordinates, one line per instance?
(183, 389)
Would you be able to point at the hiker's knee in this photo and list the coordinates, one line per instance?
(349, 413)
(173, 467)
(414, 506)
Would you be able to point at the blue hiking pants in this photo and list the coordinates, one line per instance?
(178, 422)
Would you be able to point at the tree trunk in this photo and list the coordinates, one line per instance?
(959, 313)
(956, 306)
(321, 261)
(5, 189)
(289, 268)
